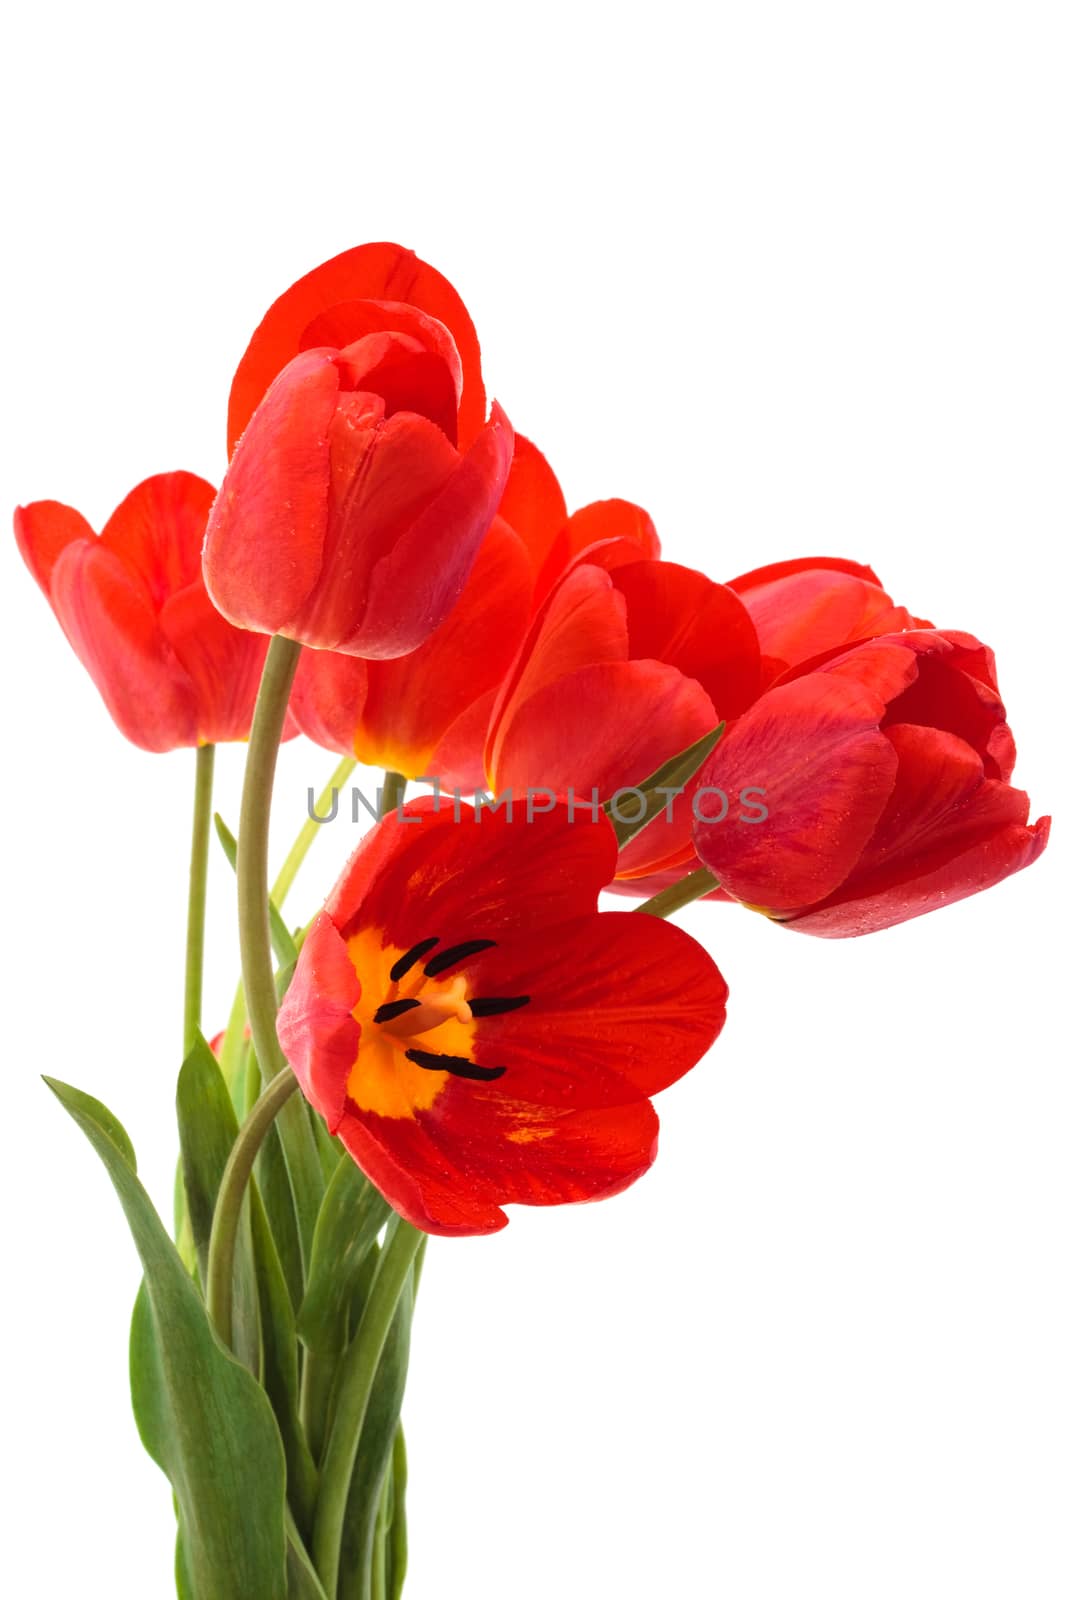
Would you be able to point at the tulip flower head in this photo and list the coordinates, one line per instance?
(132, 602)
(359, 493)
(476, 1032)
(883, 775)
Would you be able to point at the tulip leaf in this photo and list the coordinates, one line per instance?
(304, 1581)
(207, 1128)
(273, 1177)
(371, 1506)
(202, 1416)
(353, 1214)
(280, 937)
(281, 1365)
(632, 813)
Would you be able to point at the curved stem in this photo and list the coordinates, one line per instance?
(253, 916)
(257, 966)
(235, 1178)
(694, 886)
(302, 843)
(354, 1383)
(198, 859)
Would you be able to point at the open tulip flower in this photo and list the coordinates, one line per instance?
(469, 1030)
(883, 775)
(171, 671)
(476, 1032)
(354, 506)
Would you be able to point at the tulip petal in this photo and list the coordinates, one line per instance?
(458, 763)
(316, 1029)
(415, 584)
(679, 616)
(582, 623)
(625, 1004)
(405, 374)
(158, 532)
(445, 1184)
(787, 569)
(327, 699)
(605, 727)
(368, 272)
(611, 532)
(384, 473)
(799, 616)
(263, 554)
(112, 626)
(224, 664)
(938, 678)
(413, 701)
(825, 771)
(533, 503)
(43, 530)
(514, 887)
(947, 833)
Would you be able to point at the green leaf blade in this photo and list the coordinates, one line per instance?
(202, 1416)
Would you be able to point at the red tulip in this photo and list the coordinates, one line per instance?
(132, 602)
(816, 603)
(364, 476)
(884, 777)
(476, 1032)
(620, 670)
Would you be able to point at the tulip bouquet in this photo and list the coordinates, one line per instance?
(390, 571)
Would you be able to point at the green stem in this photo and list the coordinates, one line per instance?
(194, 932)
(236, 1174)
(676, 895)
(354, 1384)
(253, 916)
(302, 843)
(393, 786)
(257, 966)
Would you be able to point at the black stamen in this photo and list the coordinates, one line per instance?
(416, 953)
(459, 1066)
(455, 954)
(496, 1007)
(394, 1008)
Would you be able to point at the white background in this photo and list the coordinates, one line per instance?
(791, 276)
